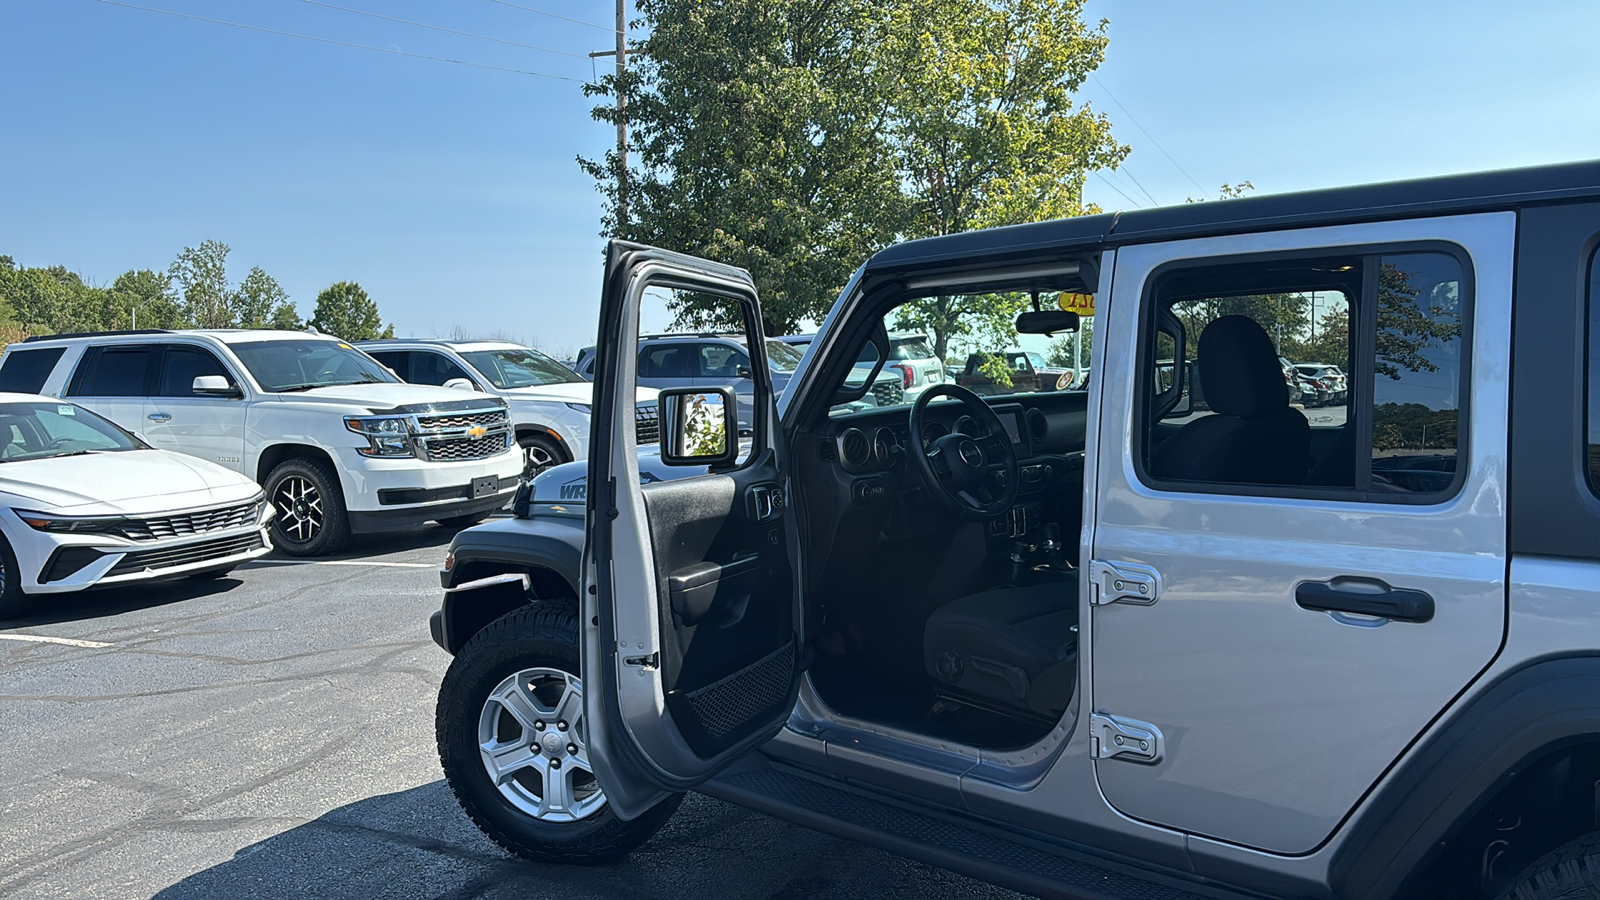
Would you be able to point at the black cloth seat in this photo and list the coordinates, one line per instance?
(1012, 648)
(1254, 436)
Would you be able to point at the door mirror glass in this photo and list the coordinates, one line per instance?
(215, 385)
(461, 384)
(699, 427)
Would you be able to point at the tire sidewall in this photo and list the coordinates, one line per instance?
(544, 443)
(335, 530)
(13, 602)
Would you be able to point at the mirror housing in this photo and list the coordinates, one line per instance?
(699, 426)
(1048, 321)
(216, 386)
(461, 384)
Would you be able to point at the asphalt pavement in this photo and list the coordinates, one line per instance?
(270, 735)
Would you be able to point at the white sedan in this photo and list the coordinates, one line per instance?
(85, 504)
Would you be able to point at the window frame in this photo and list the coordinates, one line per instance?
(89, 366)
(1360, 383)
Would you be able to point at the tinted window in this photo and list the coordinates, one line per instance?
(182, 365)
(434, 368)
(910, 348)
(1594, 373)
(723, 361)
(394, 359)
(666, 361)
(1416, 391)
(25, 371)
(518, 368)
(783, 357)
(114, 372)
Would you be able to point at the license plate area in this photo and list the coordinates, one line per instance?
(485, 486)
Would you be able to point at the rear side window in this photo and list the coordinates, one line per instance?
(910, 348)
(112, 372)
(183, 365)
(666, 361)
(25, 371)
(1593, 366)
(434, 368)
(721, 361)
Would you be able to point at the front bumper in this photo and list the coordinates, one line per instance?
(54, 564)
(409, 491)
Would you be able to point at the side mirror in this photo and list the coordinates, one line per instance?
(699, 426)
(744, 372)
(216, 386)
(461, 384)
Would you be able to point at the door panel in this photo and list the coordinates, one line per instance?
(210, 427)
(691, 641)
(1276, 716)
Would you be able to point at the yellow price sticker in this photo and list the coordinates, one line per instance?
(1082, 304)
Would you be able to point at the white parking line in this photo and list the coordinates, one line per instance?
(42, 639)
(267, 563)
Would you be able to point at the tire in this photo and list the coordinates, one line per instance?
(311, 518)
(1569, 872)
(466, 521)
(13, 602)
(211, 574)
(539, 452)
(534, 645)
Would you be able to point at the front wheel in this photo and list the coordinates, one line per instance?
(311, 518)
(539, 452)
(1569, 872)
(13, 602)
(514, 744)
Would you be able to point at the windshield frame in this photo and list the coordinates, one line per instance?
(471, 358)
(245, 350)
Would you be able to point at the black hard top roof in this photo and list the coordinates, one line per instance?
(1479, 191)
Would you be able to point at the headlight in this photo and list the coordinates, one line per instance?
(71, 524)
(387, 436)
(580, 407)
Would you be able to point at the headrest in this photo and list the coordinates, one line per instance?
(1239, 369)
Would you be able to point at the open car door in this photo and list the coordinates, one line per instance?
(692, 649)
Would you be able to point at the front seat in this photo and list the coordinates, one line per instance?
(1254, 436)
(1013, 649)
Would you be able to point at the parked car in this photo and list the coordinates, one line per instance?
(339, 444)
(549, 403)
(1027, 369)
(887, 385)
(85, 504)
(704, 360)
(912, 356)
(1097, 645)
(1327, 379)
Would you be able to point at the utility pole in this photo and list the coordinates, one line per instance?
(621, 53)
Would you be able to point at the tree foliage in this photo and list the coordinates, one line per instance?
(796, 137)
(345, 311)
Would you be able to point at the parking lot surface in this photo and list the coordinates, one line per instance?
(271, 735)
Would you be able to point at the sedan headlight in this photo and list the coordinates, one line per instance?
(580, 407)
(71, 524)
(387, 436)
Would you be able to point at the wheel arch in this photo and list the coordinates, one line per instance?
(273, 456)
(529, 430)
(544, 557)
(1514, 757)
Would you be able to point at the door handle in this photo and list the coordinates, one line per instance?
(159, 417)
(1365, 597)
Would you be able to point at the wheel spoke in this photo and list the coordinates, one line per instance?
(570, 707)
(557, 790)
(507, 759)
(521, 705)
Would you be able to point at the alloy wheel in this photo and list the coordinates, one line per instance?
(532, 740)
(536, 459)
(299, 506)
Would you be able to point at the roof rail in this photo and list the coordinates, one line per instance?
(84, 334)
(693, 334)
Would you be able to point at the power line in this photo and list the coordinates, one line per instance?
(323, 40)
(1111, 184)
(1129, 172)
(554, 16)
(1146, 133)
(481, 37)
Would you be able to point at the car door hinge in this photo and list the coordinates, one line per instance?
(1123, 583)
(1113, 737)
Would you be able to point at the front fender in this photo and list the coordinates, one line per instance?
(545, 552)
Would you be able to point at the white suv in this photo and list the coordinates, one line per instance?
(549, 402)
(338, 442)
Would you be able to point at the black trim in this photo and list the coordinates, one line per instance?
(1371, 255)
(396, 496)
(68, 561)
(371, 521)
(554, 544)
(1523, 715)
(93, 334)
(1553, 511)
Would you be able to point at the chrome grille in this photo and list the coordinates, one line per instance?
(647, 424)
(462, 420)
(201, 521)
(889, 393)
(452, 449)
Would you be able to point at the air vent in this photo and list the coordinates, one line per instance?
(1038, 426)
(854, 447)
(825, 450)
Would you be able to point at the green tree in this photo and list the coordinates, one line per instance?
(260, 302)
(1060, 351)
(144, 299)
(345, 311)
(201, 276)
(758, 136)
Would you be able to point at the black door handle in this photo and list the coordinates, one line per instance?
(1365, 597)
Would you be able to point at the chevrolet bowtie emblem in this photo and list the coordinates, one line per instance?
(477, 431)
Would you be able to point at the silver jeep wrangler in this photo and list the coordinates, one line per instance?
(1117, 642)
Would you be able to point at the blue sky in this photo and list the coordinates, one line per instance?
(451, 192)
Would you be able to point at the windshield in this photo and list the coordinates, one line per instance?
(298, 365)
(45, 430)
(781, 357)
(519, 368)
(1037, 360)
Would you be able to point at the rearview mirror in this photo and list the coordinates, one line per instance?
(461, 384)
(1048, 321)
(699, 426)
(215, 385)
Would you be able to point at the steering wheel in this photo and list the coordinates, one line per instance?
(974, 475)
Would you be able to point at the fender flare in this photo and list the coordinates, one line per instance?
(1524, 715)
(553, 544)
